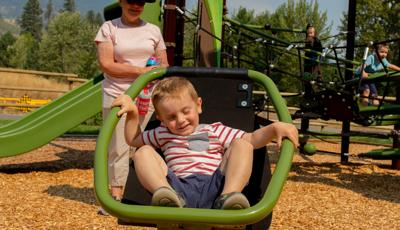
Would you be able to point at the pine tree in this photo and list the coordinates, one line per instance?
(6, 41)
(94, 18)
(31, 19)
(48, 15)
(69, 6)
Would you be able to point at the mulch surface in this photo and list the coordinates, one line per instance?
(52, 188)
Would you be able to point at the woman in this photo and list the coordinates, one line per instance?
(123, 46)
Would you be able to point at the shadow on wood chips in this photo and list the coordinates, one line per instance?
(371, 183)
(69, 159)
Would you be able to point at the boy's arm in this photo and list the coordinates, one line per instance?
(277, 130)
(364, 74)
(394, 67)
(369, 61)
(132, 127)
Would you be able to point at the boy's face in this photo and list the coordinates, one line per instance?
(179, 114)
(383, 52)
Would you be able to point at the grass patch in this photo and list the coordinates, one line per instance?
(85, 130)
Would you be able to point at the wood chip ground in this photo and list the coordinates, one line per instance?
(52, 188)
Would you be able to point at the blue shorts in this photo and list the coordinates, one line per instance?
(198, 190)
(373, 92)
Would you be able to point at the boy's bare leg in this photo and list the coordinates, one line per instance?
(365, 97)
(375, 101)
(237, 166)
(150, 168)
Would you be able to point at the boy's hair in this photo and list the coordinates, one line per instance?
(383, 45)
(173, 87)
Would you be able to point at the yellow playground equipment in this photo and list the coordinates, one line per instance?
(24, 103)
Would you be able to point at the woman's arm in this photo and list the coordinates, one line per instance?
(105, 55)
(161, 55)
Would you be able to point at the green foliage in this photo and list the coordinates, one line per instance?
(189, 41)
(48, 14)
(8, 26)
(31, 19)
(69, 6)
(68, 46)
(24, 52)
(244, 15)
(93, 18)
(6, 41)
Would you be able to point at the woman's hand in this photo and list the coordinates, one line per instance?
(148, 68)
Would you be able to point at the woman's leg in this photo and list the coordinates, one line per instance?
(118, 153)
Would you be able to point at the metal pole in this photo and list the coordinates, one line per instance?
(351, 26)
(173, 31)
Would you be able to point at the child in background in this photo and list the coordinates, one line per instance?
(373, 65)
(206, 165)
(312, 62)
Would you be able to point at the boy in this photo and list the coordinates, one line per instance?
(206, 165)
(373, 65)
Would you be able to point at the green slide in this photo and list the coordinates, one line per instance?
(52, 120)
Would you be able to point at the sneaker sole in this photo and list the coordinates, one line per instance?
(236, 201)
(166, 197)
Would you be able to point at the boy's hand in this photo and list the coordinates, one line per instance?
(283, 130)
(126, 104)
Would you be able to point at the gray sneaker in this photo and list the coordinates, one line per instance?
(233, 200)
(167, 197)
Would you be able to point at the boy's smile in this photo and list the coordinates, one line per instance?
(179, 114)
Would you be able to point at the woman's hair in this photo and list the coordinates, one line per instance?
(309, 25)
(174, 87)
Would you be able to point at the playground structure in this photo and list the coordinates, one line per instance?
(89, 94)
(337, 96)
(209, 52)
(61, 115)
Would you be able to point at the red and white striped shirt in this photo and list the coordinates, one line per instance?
(200, 153)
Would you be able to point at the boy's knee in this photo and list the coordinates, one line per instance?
(240, 143)
(142, 152)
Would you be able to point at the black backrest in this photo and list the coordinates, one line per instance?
(224, 99)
